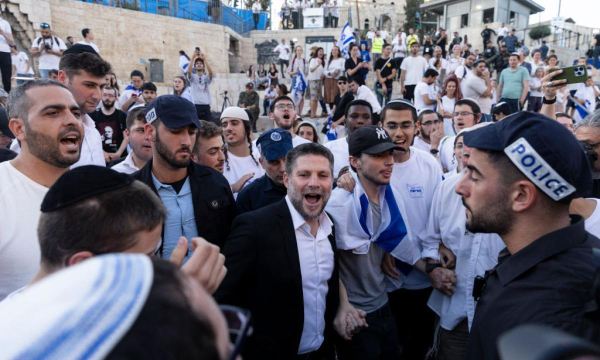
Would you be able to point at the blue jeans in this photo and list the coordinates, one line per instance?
(513, 103)
(596, 55)
(388, 96)
(19, 82)
(44, 74)
(486, 118)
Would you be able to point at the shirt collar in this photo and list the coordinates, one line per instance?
(129, 161)
(270, 184)
(298, 220)
(541, 249)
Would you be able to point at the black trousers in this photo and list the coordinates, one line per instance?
(334, 21)
(410, 92)
(256, 18)
(295, 19)
(281, 63)
(415, 321)
(6, 69)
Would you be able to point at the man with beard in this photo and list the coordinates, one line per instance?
(283, 114)
(479, 88)
(369, 223)
(209, 149)
(281, 265)
(430, 130)
(46, 120)
(513, 84)
(141, 148)
(198, 198)
(148, 94)
(358, 114)
(518, 186)
(464, 72)
(587, 131)
(109, 116)
(466, 114)
(49, 49)
(273, 145)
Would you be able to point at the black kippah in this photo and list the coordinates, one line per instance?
(80, 48)
(83, 183)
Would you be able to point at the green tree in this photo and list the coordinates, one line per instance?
(539, 32)
(410, 9)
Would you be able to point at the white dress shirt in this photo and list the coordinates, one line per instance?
(316, 267)
(126, 166)
(91, 149)
(475, 253)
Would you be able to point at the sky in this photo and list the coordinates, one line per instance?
(582, 11)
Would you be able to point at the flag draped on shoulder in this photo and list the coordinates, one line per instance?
(299, 88)
(352, 216)
(346, 38)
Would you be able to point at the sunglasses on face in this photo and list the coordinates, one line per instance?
(342, 83)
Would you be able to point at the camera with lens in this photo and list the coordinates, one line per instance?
(47, 46)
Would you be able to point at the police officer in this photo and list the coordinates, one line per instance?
(518, 184)
(198, 199)
(268, 189)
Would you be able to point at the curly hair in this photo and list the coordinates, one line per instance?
(248, 130)
(457, 92)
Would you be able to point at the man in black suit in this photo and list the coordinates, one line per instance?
(282, 267)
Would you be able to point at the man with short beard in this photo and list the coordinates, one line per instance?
(46, 121)
(283, 114)
(430, 130)
(198, 198)
(518, 186)
(141, 149)
(466, 114)
(109, 116)
(209, 149)
(281, 265)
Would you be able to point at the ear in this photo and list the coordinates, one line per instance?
(79, 257)
(285, 180)
(261, 161)
(355, 162)
(417, 127)
(523, 195)
(478, 118)
(380, 124)
(17, 127)
(150, 132)
(62, 77)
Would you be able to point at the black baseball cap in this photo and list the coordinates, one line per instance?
(4, 124)
(83, 183)
(370, 140)
(274, 144)
(542, 149)
(174, 111)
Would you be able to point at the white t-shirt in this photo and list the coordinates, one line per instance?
(463, 73)
(5, 26)
(333, 65)
(449, 163)
(535, 82)
(414, 66)
(454, 63)
(341, 155)
(127, 93)
(421, 144)
(383, 34)
(20, 62)
(200, 88)
(94, 46)
(399, 51)
(284, 51)
(448, 106)
(423, 89)
(315, 75)
(364, 93)
(586, 93)
(20, 201)
(416, 180)
(503, 31)
(444, 64)
(298, 140)
(48, 61)
(126, 166)
(371, 35)
(256, 8)
(474, 87)
(592, 224)
(240, 166)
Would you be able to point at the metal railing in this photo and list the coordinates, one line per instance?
(329, 21)
(211, 11)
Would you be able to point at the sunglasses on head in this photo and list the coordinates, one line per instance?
(45, 26)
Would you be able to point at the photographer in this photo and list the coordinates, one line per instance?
(49, 49)
(200, 84)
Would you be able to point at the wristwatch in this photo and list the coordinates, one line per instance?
(430, 267)
(434, 151)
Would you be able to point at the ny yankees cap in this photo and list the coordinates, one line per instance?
(174, 112)
(542, 149)
(370, 140)
(274, 144)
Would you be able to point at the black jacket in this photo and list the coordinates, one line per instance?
(264, 276)
(259, 194)
(214, 206)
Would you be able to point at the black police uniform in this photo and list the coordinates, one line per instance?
(259, 194)
(214, 206)
(547, 282)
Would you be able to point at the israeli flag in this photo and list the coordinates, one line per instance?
(582, 109)
(346, 38)
(299, 88)
(354, 231)
(183, 63)
(331, 133)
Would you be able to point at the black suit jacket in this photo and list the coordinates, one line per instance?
(264, 276)
(214, 206)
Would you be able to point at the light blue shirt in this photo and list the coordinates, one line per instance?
(180, 215)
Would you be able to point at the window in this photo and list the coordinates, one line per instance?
(488, 16)
(512, 18)
(464, 20)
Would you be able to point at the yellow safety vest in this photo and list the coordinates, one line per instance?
(377, 46)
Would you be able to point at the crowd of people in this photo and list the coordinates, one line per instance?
(137, 225)
(292, 17)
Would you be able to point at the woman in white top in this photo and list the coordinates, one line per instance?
(536, 94)
(315, 80)
(445, 107)
(298, 62)
(334, 69)
(455, 60)
(251, 75)
(537, 61)
(180, 88)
